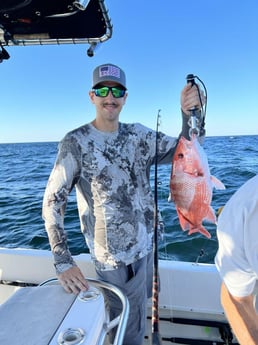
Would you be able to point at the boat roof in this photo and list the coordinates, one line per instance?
(44, 22)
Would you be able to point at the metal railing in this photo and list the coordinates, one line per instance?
(120, 321)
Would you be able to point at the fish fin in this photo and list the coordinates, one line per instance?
(217, 183)
(201, 229)
(184, 223)
(210, 216)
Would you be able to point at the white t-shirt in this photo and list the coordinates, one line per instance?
(237, 231)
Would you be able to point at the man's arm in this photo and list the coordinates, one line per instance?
(241, 315)
(59, 185)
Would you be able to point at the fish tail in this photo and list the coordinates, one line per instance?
(201, 229)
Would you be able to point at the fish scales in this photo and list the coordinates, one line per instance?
(191, 186)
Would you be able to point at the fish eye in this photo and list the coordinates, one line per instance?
(180, 156)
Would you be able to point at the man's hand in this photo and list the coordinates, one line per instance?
(190, 98)
(73, 280)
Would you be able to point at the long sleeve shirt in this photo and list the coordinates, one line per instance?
(111, 175)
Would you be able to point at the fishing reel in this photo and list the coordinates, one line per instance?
(197, 119)
(190, 79)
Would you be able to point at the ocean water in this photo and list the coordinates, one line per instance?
(25, 168)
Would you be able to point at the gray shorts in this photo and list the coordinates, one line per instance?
(135, 280)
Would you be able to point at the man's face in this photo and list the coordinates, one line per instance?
(109, 107)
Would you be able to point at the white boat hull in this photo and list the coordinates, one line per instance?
(189, 300)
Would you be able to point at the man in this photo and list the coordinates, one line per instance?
(109, 163)
(237, 261)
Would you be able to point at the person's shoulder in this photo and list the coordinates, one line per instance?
(250, 186)
(135, 127)
(77, 132)
(81, 129)
(244, 198)
(253, 181)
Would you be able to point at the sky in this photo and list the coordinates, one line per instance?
(44, 89)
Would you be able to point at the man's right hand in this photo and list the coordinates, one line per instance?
(73, 280)
(190, 98)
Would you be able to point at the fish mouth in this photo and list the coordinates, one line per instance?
(195, 173)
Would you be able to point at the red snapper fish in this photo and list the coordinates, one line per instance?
(191, 186)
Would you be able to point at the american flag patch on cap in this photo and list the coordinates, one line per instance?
(108, 72)
(112, 71)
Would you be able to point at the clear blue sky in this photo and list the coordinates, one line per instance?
(44, 89)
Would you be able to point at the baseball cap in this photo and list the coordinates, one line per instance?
(108, 72)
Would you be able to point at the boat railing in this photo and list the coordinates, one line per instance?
(120, 321)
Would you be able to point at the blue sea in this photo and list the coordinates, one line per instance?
(25, 168)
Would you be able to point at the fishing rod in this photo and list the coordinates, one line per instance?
(156, 339)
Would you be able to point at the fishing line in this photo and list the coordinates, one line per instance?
(156, 339)
(202, 252)
(191, 79)
(205, 94)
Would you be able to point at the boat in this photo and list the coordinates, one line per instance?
(189, 300)
(34, 309)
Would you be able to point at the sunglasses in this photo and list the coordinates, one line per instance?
(104, 91)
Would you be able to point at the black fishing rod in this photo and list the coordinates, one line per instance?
(156, 339)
